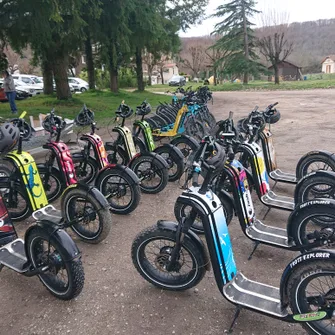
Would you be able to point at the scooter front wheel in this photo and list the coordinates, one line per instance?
(121, 192)
(151, 251)
(174, 161)
(310, 288)
(86, 170)
(91, 222)
(52, 182)
(152, 173)
(63, 278)
(314, 162)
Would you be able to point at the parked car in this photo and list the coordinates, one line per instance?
(73, 87)
(177, 81)
(21, 93)
(29, 79)
(82, 84)
(32, 89)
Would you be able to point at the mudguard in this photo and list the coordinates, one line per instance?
(171, 148)
(304, 207)
(302, 182)
(159, 159)
(326, 154)
(67, 245)
(124, 170)
(189, 138)
(93, 191)
(140, 143)
(172, 226)
(309, 257)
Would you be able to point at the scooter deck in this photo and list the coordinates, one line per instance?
(267, 234)
(279, 175)
(48, 213)
(250, 294)
(13, 256)
(272, 199)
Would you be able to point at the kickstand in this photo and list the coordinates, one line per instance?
(267, 212)
(253, 250)
(237, 313)
(274, 186)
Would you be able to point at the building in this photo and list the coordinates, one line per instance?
(328, 64)
(287, 71)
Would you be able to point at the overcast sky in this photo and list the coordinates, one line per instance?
(298, 10)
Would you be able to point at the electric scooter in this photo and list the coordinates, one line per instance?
(170, 256)
(173, 156)
(116, 182)
(150, 168)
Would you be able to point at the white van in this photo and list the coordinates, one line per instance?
(29, 79)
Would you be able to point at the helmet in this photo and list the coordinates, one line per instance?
(51, 121)
(272, 116)
(85, 117)
(216, 156)
(9, 135)
(143, 109)
(124, 111)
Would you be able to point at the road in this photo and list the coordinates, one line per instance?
(116, 300)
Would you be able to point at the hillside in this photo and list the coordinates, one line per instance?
(312, 40)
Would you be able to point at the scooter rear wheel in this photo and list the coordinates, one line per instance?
(151, 262)
(314, 162)
(64, 278)
(305, 296)
(86, 170)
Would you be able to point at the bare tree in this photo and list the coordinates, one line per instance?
(194, 56)
(273, 43)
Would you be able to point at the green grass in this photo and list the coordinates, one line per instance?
(102, 103)
(259, 85)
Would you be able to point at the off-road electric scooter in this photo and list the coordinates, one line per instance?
(170, 256)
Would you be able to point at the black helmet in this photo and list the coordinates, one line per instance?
(51, 121)
(143, 109)
(85, 117)
(216, 156)
(9, 135)
(124, 111)
(272, 116)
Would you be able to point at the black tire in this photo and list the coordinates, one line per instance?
(117, 155)
(181, 210)
(36, 242)
(53, 186)
(125, 185)
(310, 222)
(314, 162)
(160, 277)
(5, 171)
(91, 211)
(186, 146)
(18, 207)
(297, 287)
(88, 174)
(274, 118)
(152, 170)
(174, 161)
(195, 129)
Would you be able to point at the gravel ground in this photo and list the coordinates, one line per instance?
(116, 300)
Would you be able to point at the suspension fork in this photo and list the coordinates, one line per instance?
(183, 227)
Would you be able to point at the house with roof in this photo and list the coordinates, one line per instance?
(328, 64)
(287, 71)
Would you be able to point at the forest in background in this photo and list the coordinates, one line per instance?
(312, 42)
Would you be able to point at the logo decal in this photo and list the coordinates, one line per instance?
(31, 182)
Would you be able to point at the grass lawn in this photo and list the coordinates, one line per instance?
(102, 103)
(257, 86)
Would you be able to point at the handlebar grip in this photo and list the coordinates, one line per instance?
(23, 114)
(195, 179)
(275, 104)
(231, 115)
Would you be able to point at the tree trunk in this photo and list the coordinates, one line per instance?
(246, 44)
(215, 75)
(150, 76)
(276, 74)
(90, 63)
(162, 74)
(47, 77)
(113, 72)
(60, 68)
(139, 70)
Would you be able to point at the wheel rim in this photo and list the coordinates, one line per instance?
(185, 149)
(84, 175)
(316, 291)
(153, 261)
(83, 216)
(117, 191)
(315, 166)
(173, 168)
(18, 206)
(43, 254)
(51, 187)
(150, 175)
